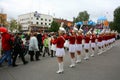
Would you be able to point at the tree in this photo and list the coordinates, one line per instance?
(82, 16)
(19, 27)
(117, 19)
(13, 25)
(54, 26)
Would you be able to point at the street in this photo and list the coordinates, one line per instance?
(101, 67)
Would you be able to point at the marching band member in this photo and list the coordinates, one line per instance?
(60, 52)
(53, 46)
(87, 45)
(72, 47)
(66, 45)
(79, 45)
(93, 44)
(99, 43)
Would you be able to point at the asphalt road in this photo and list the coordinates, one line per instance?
(102, 67)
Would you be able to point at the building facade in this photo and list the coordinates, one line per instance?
(3, 19)
(34, 19)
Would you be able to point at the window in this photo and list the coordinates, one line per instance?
(49, 20)
(45, 23)
(41, 19)
(37, 22)
(41, 23)
(37, 18)
(49, 24)
(45, 19)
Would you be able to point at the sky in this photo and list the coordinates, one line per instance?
(66, 9)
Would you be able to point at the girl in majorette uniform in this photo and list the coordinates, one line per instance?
(87, 45)
(99, 43)
(60, 52)
(53, 46)
(79, 39)
(103, 42)
(93, 44)
(72, 50)
(66, 45)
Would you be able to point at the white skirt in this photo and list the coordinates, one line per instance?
(60, 52)
(99, 44)
(93, 45)
(72, 48)
(66, 44)
(53, 47)
(87, 45)
(78, 47)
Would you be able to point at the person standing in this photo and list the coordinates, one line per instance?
(79, 39)
(18, 49)
(33, 47)
(60, 52)
(87, 45)
(72, 48)
(53, 46)
(93, 44)
(7, 48)
(40, 44)
(46, 45)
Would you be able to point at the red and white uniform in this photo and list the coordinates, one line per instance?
(60, 46)
(66, 44)
(79, 43)
(87, 44)
(53, 46)
(72, 47)
(93, 39)
(99, 41)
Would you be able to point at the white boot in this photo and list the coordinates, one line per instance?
(78, 59)
(86, 56)
(72, 63)
(60, 68)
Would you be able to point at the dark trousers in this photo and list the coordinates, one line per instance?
(46, 50)
(15, 54)
(32, 53)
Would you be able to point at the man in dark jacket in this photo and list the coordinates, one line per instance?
(40, 44)
(18, 49)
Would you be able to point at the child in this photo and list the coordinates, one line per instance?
(46, 45)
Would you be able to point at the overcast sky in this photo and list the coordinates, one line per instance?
(66, 9)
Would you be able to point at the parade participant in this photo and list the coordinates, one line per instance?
(53, 46)
(99, 43)
(33, 47)
(60, 52)
(79, 39)
(93, 43)
(18, 49)
(72, 46)
(66, 45)
(87, 45)
(6, 47)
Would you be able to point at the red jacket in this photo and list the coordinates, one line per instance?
(87, 39)
(59, 42)
(72, 39)
(5, 41)
(79, 39)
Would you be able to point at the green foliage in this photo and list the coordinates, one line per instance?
(54, 27)
(13, 24)
(82, 16)
(116, 22)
